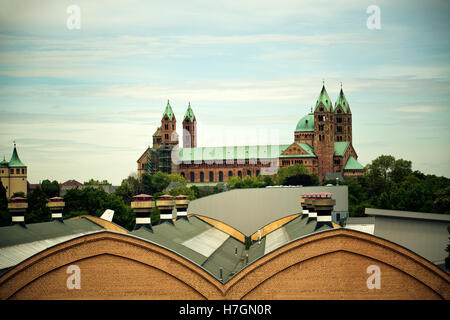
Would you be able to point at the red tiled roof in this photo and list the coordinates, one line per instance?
(71, 183)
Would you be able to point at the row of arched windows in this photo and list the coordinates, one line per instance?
(212, 177)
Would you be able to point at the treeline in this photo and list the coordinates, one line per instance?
(388, 183)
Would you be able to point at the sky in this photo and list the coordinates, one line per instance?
(84, 103)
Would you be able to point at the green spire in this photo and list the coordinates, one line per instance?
(168, 111)
(189, 114)
(324, 98)
(15, 160)
(342, 101)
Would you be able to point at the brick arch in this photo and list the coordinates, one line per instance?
(326, 265)
(113, 266)
(333, 264)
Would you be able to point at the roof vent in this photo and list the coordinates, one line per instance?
(182, 203)
(17, 207)
(165, 204)
(142, 205)
(56, 206)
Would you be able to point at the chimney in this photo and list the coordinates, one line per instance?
(182, 203)
(309, 210)
(165, 204)
(17, 207)
(323, 204)
(305, 211)
(142, 205)
(56, 206)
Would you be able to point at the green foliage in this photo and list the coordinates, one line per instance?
(5, 216)
(50, 188)
(184, 191)
(260, 181)
(155, 216)
(284, 173)
(94, 202)
(391, 184)
(129, 188)
(93, 182)
(37, 207)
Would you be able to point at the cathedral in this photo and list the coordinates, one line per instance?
(322, 144)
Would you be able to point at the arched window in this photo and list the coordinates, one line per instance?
(192, 176)
(182, 174)
(230, 173)
(257, 172)
(220, 176)
(249, 173)
(240, 174)
(202, 176)
(211, 176)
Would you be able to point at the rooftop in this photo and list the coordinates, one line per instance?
(407, 214)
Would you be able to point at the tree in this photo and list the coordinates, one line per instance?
(51, 189)
(5, 216)
(442, 201)
(283, 173)
(297, 180)
(400, 170)
(184, 191)
(37, 207)
(129, 188)
(93, 182)
(93, 201)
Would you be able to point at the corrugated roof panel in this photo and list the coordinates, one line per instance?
(224, 257)
(367, 228)
(16, 234)
(207, 242)
(13, 255)
(276, 239)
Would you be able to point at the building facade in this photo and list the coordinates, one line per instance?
(13, 174)
(322, 144)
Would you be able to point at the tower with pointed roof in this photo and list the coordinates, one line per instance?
(168, 126)
(189, 129)
(13, 174)
(343, 119)
(323, 142)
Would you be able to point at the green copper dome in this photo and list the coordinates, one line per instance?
(4, 163)
(168, 111)
(324, 98)
(189, 113)
(306, 123)
(342, 101)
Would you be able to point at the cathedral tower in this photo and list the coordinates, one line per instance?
(189, 129)
(168, 126)
(343, 119)
(324, 133)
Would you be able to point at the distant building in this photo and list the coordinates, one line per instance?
(322, 143)
(13, 174)
(73, 184)
(424, 233)
(68, 185)
(250, 209)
